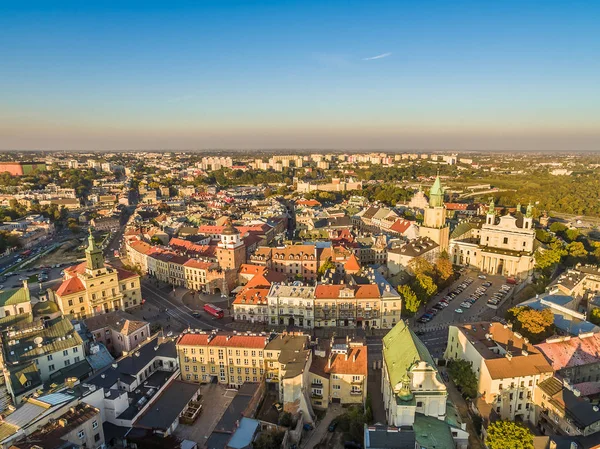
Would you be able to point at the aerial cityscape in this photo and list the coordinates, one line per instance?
(299, 225)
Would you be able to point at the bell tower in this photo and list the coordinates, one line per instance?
(434, 219)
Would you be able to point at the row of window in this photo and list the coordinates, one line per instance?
(238, 352)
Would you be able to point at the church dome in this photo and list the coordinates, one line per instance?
(45, 308)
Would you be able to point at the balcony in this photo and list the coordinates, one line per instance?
(355, 392)
(357, 382)
(316, 396)
(316, 384)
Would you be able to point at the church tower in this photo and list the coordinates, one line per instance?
(231, 251)
(434, 221)
(528, 218)
(490, 217)
(93, 257)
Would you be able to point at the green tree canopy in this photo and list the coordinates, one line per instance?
(595, 316)
(421, 266)
(577, 250)
(463, 376)
(269, 439)
(424, 287)
(410, 302)
(547, 258)
(534, 324)
(558, 228)
(327, 265)
(508, 435)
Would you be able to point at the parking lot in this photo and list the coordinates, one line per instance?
(466, 300)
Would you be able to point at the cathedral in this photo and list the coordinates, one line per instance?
(500, 245)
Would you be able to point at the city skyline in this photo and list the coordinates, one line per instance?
(351, 75)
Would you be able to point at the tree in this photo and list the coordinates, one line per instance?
(536, 325)
(8, 240)
(508, 434)
(269, 439)
(545, 259)
(463, 376)
(410, 302)
(595, 316)
(443, 267)
(576, 250)
(424, 287)
(156, 240)
(328, 265)
(543, 236)
(571, 234)
(558, 228)
(420, 266)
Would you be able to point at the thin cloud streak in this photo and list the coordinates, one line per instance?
(381, 56)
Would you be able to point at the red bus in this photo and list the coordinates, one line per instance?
(214, 310)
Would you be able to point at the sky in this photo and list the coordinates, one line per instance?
(328, 74)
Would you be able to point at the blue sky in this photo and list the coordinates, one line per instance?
(298, 74)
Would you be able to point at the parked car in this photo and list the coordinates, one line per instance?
(352, 445)
(458, 310)
(278, 406)
(482, 276)
(332, 426)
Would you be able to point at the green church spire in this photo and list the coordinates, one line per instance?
(93, 254)
(436, 193)
(529, 212)
(491, 207)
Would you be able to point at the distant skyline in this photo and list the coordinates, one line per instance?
(389, 75)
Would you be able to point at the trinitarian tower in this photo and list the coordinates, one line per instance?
(434, 221)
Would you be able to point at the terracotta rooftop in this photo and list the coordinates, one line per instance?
(252, 296)
(193, 263)
(223, 340)
(248, 268)
(70, 286)
(566, 352)
(340, 364)
(352, 264)
(325, 291)
(492, 340)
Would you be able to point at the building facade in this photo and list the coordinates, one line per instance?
(93, 287)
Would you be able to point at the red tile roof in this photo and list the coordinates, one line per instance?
(70, 286)
(125, 274)
(247, 268)
(324, 291)
(252, 296)
(400, 226)
(226, 340)
(193, 263)
(352, 264)
(575, 351)
(309, 203)
(339, 364)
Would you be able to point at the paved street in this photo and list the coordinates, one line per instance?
(175, 311)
